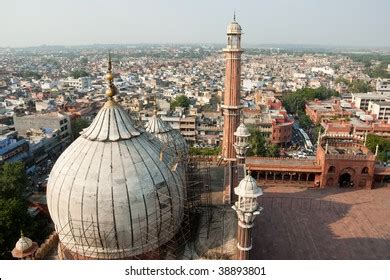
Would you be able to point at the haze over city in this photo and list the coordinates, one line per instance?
(363, 23)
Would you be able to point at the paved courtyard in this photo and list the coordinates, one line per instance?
(299, 223)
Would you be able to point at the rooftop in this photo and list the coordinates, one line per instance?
(327, 223)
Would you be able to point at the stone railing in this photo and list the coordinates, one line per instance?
(277, 158)
(50, 243)
(350, 157)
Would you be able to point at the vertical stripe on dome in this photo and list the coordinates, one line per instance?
(125, 158)
(55, 175)
(86, 219)
(74, 199)
(90, 192)
(113, 129)
(105, 126)
(63, 188)
(94, 129)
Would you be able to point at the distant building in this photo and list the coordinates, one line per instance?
(188, 129)
(13, 149)
(80, 83)
(342, 160)
(361, 100)
(54, 121)
(318, 109)
(45, 105)
(380, 109)
(383, 85)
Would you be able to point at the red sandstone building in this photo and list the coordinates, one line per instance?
(231, 104)
(341, 117)
(342, 161)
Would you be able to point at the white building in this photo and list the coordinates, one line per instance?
(380, 109)
(362, 100)
(80, 83)
(326, 70)
(383, 85)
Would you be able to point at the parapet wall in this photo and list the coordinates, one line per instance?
(350, 157)
(50, 243)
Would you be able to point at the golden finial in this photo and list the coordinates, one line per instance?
(21, 234)
(110, 92)
(109, 62)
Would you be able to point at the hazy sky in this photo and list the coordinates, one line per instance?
(73, 22)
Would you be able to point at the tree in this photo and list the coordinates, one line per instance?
(294, 102)
(304, 121)
(273, 150)
(355, 86)
(13, 218)
(13, 210)
(257, 143)
(205, 151)
(78, 73)
(180, 101)
(78, 125)
(13, 180)
(383, 146)
(84, 60)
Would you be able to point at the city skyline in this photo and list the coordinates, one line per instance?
(350, 23)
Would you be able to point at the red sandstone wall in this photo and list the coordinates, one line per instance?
(281, 133)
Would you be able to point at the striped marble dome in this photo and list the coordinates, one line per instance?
(170, 137)
(110, 195)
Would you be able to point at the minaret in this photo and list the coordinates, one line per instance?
(231, 103)
(247, 209)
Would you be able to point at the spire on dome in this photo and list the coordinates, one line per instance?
(112, 90)
(234, 16)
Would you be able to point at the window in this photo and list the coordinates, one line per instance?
(365, 170)
(332, 169)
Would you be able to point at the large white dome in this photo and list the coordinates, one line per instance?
(110, 195)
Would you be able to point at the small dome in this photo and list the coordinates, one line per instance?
(167, 135)
(248, 188)
(234, 28)
(242, 131)
(24, 244)
(24, 247)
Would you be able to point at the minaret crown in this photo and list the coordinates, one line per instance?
(234, 34)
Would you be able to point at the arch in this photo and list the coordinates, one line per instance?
(348, 170)
(332, 169)
(345, 180)
(365, 170)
